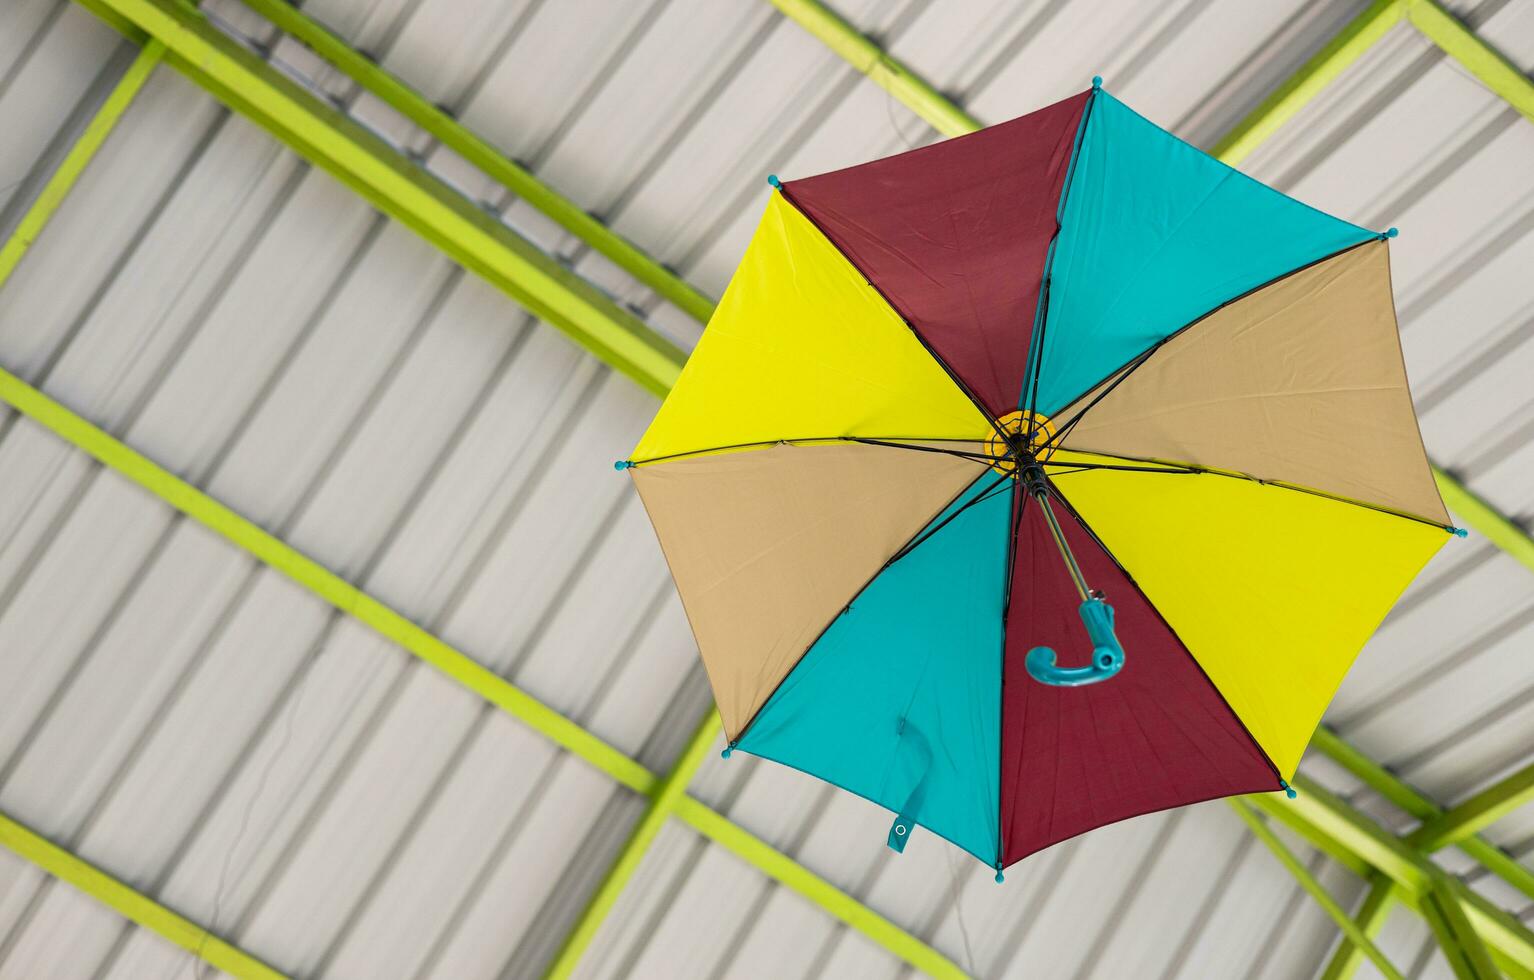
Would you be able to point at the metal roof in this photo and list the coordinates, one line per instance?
(221, 734)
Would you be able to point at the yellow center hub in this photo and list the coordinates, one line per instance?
(1026, 431)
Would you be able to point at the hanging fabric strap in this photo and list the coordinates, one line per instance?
(905, 821)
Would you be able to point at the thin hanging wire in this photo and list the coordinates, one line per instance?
(889, 112)
(958, 911)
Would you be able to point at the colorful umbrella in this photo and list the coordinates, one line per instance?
(1066, 385)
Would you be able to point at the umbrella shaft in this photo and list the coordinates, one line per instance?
(1042, 496)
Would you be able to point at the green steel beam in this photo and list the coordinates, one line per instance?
(1354, 933)
(462, 670)
(481, 153)
(130, 903)
(1479, 58)
(1481, 810)
(813, 888)
(80, 154)
(1335, 823)
(198, 49)
(950, 120)
(670, 799)
(1490, 523)
(1392, 788)
(1382, 897)
(1467, 955)
(311, 575)
(1299, 89)
(880, 67)
(663, 800)
(388, 179)
(231, 82)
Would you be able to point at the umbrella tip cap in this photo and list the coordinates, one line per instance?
(1097, 81)
(729, 750)
(1000, 877)
(622, 465)
(1459, 532)
(1391, 233)
(774, 181)
(1289, 791)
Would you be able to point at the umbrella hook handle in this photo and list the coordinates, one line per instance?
(1107, 652)
(1096, 615)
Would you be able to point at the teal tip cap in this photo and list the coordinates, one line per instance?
(1289, 791)
(1391, 232)
(1459, 532)
(1097, 81)
(622, 465)
(1000, 878)
(728, 749)
(774, 181)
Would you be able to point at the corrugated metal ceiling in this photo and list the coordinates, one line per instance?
(221, 739)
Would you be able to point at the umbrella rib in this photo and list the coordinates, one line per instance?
(947, 369)
(1125, 370)
(1197, 470)
(892, 442)
(984, 495)
(1035, 369)
(1092, 533)
(746, 728)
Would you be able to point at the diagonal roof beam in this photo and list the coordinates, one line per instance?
(387, 178)
(713, 825)
(464, 671)
(887, 72)
(1354, 931)
(497, 165)
(131, 903)
(1479, 58)
(265, 547)
(946, 117)
(1481, 810)
(884, 70)
(458, 667)
(1357, 37)
(662, 803)
(1467, 955)
(1381, 898)
(1396, 790)
(80, 154)
(1330, 822)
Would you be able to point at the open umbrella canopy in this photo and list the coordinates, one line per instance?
(1040, 478)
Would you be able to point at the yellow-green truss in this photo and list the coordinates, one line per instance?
(368, 171)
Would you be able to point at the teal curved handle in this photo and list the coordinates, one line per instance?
(1107, 653)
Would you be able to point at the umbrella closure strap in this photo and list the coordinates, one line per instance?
(905, 820)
